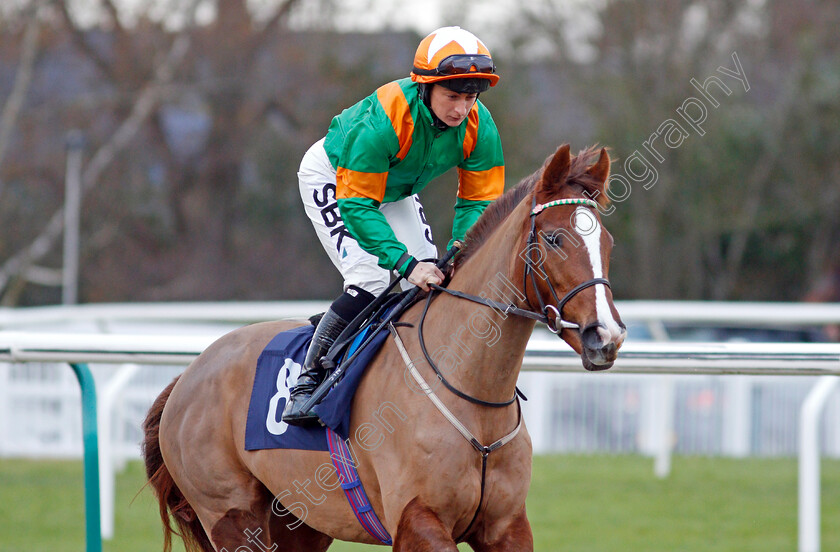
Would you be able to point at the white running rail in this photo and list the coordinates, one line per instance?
(542, 355)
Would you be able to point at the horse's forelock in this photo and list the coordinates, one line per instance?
(594, 187)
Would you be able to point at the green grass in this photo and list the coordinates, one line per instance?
(710, 505)
(576, 504)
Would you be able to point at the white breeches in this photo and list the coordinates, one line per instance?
(358, 267)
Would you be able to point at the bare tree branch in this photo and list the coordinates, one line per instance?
(114, 15)
(144, 106)
(80, 41)
(29, 51)
(269, 27)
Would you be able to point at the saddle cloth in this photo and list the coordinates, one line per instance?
(277, 370)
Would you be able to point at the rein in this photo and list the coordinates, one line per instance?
(440, 375)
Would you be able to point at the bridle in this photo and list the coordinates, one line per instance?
(508, 308)
(533, 243)
(542, 315)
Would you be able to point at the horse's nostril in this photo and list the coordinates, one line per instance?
(592, 337)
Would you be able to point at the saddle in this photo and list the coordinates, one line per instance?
(386, 308)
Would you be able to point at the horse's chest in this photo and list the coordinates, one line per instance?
(461, 480)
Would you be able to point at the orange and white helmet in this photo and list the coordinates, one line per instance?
(453, 53)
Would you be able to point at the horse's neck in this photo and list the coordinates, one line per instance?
(478, 348)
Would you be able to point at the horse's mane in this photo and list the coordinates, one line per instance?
(499, 210)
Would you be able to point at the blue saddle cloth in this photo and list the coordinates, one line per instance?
(277, 370)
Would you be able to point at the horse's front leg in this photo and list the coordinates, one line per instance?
(421, 530)
(515, 537)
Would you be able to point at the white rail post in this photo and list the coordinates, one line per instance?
(5, 408)
(738, 413)
(537, 411)
(107, 491)
(809, 463)
(665, 431)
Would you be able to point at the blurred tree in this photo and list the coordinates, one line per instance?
(197, 120)
(23, 77)
(133, 65)
(137, 107)
(712, 220)
(194, 169)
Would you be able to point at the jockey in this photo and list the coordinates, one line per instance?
(359, 184)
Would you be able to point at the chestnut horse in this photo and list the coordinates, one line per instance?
(426, 483)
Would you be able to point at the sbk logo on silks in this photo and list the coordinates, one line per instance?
(330, 214)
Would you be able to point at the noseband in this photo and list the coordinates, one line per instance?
(533, 242)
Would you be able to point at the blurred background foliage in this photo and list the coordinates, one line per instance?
(195, 115)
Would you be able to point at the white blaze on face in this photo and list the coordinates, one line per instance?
(587, 226)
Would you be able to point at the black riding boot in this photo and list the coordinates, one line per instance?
(337, 317)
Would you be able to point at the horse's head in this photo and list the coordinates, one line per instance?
(567, 256)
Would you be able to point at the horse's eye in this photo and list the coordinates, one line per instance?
(554, 240)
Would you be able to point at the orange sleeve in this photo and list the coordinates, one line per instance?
(350, 183)
(481, 185)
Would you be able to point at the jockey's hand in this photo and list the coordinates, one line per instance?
(424, 274)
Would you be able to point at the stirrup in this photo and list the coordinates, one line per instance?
(293, 414)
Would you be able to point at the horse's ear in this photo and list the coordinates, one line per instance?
(557, 170)
(600, 171)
